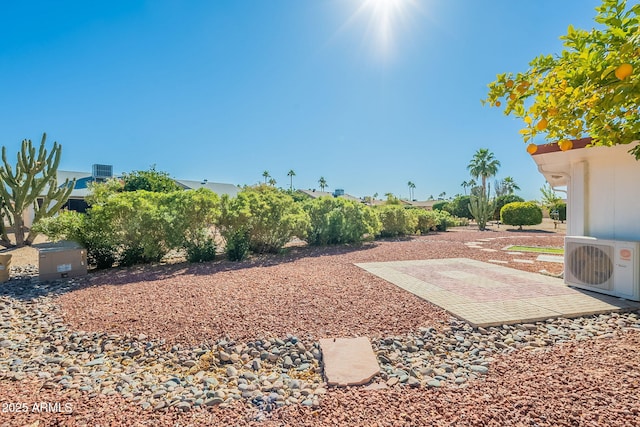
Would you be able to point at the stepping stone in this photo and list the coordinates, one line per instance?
(523, 261)
(348, 361)
(499, 261)
(489, 250)
(551, 258)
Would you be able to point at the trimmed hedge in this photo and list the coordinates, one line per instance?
(521, 213)
(504, 200)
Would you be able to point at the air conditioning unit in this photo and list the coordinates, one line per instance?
(102, 172)
(607, 266)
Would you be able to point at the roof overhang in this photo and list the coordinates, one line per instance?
(555, 164)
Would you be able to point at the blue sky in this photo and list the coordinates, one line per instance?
(369, 95)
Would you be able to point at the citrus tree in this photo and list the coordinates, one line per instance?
(591, 89)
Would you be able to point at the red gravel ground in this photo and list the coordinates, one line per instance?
(586, 383)
(308, 292)
(318, 292)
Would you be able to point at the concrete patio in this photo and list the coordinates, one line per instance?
(486, 294)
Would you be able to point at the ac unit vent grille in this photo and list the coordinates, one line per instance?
(102, 171)
(591, 265)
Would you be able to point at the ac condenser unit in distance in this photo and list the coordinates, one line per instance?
(607, 266)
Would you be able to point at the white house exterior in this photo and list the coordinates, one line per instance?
(602, 185)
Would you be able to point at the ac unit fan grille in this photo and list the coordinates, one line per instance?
(590, 265)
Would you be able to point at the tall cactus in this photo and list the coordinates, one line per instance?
(482, 209)
(35, 177)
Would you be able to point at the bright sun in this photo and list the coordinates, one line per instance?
(385, 18)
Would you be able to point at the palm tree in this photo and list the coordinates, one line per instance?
(411, 186)
(272, 182)
(483, 165)
(322, 182)
(467, 184)
(509, 185)
(464, 186)
(441, 195)
(291, 174)
(266, 176)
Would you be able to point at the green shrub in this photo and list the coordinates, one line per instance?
(270, 216)
(454, 221)
(238, 242)
(139, 226)
(96, 238)
(132, 255)
(440, 206)
(334, 220)
(298, 196)
(459, 207)
(503, 200)
(426, 221)
(192, 214)
(202, 251)
(521, 213)
(396, 221)
(151, 180)
(444, 220)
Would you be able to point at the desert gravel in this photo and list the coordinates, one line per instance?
(559, 372)
(585, 383)
(311, 293)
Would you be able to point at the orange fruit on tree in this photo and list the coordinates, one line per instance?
(513, 95)
(498, 103)
(624, 71)
(522, 87)
(565, 145)
(542, 124)
(509, 84)
(532, 148)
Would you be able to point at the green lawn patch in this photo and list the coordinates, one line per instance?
(557, 251)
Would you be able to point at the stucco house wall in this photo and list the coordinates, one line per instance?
(602, 185)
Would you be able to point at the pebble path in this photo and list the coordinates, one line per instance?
(266, 373)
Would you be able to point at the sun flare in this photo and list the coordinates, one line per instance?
(385, 19)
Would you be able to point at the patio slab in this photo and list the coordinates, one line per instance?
(486, 294)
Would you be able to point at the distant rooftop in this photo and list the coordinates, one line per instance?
(315, 194)
(83, 179)
(217, 187)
